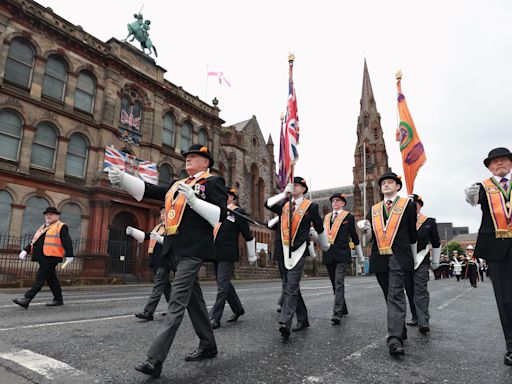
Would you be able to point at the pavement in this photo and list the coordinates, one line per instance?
(95, 338)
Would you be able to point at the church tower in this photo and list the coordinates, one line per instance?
(370, 136)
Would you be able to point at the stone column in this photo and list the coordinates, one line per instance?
(26, 149)
(37, 77)
(60, 159)
(16, 219)
(69, 97)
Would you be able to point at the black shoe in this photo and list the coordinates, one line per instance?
(235, 316)
(285, 331)
(55, 303)
(144, 316)
(396, 349)
(404, 334)
(215, 324)
(335, 321)
(344, 312)
(150, 367)
(300, 326)
(508, 358)
(279, 309)
(201, 354)
(424, 328)
(23, 302)
(412, 323)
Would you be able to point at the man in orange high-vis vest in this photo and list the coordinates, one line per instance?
(391, 224)
(494, 242)
(161, 266)
(50, 244)
(193, 206)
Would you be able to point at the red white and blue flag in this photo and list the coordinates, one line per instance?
(288, 153)
(145, 170)
(130, 120)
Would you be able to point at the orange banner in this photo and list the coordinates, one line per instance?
(413, 152)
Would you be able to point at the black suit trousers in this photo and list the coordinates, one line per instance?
(46, 273)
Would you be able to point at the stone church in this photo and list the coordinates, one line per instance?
(65, 95)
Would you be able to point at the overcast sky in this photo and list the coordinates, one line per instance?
(455, 57)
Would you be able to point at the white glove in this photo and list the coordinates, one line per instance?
(359, 252)
(22, 255)
(251, 251)
(273, 222)
(70, 259)
(414, 249)
(288, 189)
(188, 191)
(155, 236)
(137, 234)
(131, 184)
(313, 234)
(364, 225)
(311, 249)
(472, 191)
(129, 231)
(322, 240)
(436, 255)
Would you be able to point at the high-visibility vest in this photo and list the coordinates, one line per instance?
(52, 242)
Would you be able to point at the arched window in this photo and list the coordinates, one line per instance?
(11, 126)
(183, 174)
(76, 158)
(33, 216)
(55, 76)
(203, 137)
(72, 216)
(169, 128)
(131, 113)
(20, 61)
(186, 137)
(44, 146)
(5, 212)
(85, 92)
(165, 176)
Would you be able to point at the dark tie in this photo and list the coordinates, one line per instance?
(504, 183)
(389, 204)
(334, 216)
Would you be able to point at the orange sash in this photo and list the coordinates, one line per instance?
(499, 205)
(175, 204)
(297, 217)
(160, 229)
(332, 232)
(419, 222)
(385, 233)
(218, 225)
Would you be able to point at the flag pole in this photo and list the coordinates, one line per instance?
(364, 187)
(206, 85)
(291, 58)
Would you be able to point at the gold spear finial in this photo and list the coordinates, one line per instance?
(398, 74)
(282, 117)
(291, 57)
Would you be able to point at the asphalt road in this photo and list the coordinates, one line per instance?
(94, 338)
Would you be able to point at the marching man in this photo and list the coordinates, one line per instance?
(226, 254)
(192, 208)
(472, 268)
(295, 249)
(50, 244)
(416, 282)
(161, 266)
(392, 225)
(494, 242)
(341, 230)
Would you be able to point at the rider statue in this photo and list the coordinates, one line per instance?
(139, 30)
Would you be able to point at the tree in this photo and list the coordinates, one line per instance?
(453, 246)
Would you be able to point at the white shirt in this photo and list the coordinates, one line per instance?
(498, 178)
(392, 198)
(298, 201)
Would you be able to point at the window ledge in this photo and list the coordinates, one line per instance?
(52, 100)
(38, 170)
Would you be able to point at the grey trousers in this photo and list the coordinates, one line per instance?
(185, 294)
(161, 285)
(292, 298)
(337, 276)
(421, 295)
(225, 291)
(396, 301)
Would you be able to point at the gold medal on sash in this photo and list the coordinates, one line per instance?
(172, 214)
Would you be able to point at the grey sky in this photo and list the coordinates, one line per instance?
(455, 57)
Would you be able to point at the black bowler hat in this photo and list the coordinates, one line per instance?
(300, 181)
(200, 150)
(232, 191)
(417, 199)
(391, 176)
(495, 153)
(51, 210)
(339, 196)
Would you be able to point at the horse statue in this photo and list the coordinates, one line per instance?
(139, 30)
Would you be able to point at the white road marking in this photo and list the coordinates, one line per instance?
(357, 354)
(447, 303)
(44, 365)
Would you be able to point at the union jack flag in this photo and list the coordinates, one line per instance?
(145, 170)
(130, 120)
(288, 154)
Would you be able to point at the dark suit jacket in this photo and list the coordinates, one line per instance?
(226, 243)
(405, 236)
(428, 234)
(37, 250)
(487, 245)
(310, 217)
(195, 234)
(339, 252)
(156, 259)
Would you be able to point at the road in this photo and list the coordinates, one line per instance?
(94, 338)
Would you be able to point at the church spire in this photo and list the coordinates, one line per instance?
(367, 99)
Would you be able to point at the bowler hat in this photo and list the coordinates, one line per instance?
(495, 153)
(339, 196)
(300, 181)
(51, 210)
(200, 150)
(391, 176)
(416, 199)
